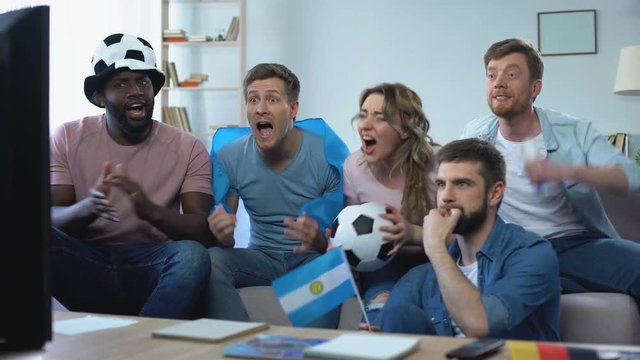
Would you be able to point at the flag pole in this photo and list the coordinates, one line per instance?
(355, 288)
(364, 313)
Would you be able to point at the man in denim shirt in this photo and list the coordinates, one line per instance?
(495, 279)
(555, 163)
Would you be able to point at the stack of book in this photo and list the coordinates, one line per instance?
(179, 35)
(194, 80)
(176, 116)
(174, 35)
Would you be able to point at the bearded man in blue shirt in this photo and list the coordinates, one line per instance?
(495, 279)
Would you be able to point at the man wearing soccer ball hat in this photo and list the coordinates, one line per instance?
(119, 180)
(495, 280)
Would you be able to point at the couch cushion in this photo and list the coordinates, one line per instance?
(262, 305)
(601, 318)
(622, 210)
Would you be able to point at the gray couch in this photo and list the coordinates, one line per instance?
(605, 318)
(262, 305)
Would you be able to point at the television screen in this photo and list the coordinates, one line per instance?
(25, 298)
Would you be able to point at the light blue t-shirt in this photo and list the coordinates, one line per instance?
(271, 196)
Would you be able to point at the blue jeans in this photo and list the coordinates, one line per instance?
(242, 267)
(590, 263)
(382, 281)
(406, 319)
(156, 280)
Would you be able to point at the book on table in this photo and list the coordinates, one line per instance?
(269, 346)
(210, 330)
(365, 346)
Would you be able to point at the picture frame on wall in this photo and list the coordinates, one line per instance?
(571, 32)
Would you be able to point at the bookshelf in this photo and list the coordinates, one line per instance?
(203, 39)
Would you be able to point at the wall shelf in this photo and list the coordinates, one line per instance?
(201, 43)
(218, 100)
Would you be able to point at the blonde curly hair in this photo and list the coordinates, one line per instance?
(415, 156)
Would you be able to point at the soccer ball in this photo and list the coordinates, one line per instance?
(355, 229)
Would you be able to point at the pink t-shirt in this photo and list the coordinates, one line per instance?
(360, 184)
(168, 163)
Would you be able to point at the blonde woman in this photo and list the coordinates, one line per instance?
(394, 166)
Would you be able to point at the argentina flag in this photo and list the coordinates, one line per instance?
(316, 288)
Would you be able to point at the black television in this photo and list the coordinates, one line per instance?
(25, 298)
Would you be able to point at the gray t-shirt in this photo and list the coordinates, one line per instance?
(270, 196)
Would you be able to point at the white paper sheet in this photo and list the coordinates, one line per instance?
(89, 323)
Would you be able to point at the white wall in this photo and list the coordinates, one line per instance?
(77, 26)
(339, 47)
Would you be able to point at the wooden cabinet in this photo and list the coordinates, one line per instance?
(209, 48)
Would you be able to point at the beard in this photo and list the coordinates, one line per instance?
(129, 129)
(520, 105)
(470, 222)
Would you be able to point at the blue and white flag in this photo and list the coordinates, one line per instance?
(316, 288)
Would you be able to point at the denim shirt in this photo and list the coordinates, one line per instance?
(572, 141)
(518, 277)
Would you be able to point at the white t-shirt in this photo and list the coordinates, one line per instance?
(471, 273)
(542, 209)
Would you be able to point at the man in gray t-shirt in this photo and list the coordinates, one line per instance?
(276, 169)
